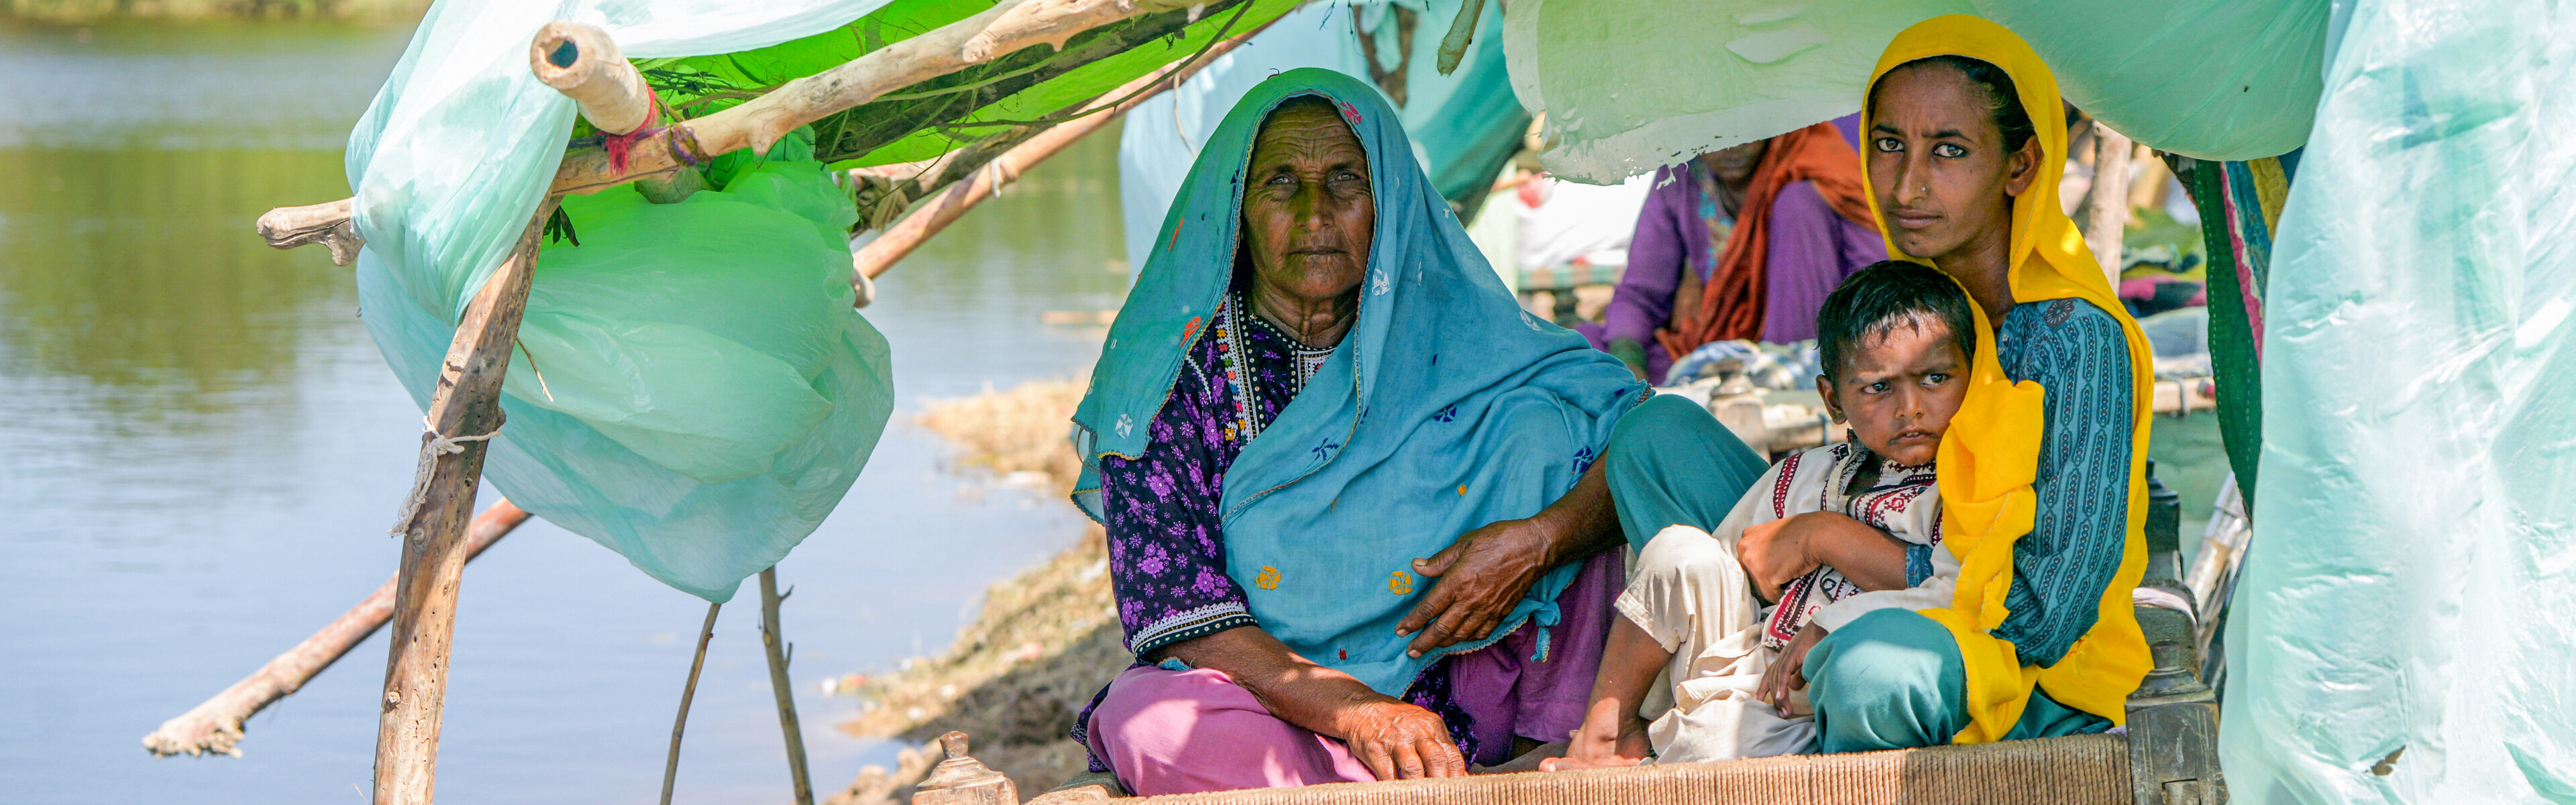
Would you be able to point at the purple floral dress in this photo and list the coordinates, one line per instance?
(1163, 509)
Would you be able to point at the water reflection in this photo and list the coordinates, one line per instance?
(136, 271)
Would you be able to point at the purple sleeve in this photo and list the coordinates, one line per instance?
(1657, 254)
(1812, 248)
(1166, 544)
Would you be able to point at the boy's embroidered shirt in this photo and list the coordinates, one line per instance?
(1904, 502)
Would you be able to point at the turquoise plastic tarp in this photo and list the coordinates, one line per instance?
(2412, 578)
(1632, 85)
(707, 394)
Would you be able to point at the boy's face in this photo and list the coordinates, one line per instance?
(1899, 390)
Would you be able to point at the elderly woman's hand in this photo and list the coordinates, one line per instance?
(1483, 575)
(1399, 741)
(1487, 572)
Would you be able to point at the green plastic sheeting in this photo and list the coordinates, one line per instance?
(2409, 582)
(682, 80)
(1632, 85)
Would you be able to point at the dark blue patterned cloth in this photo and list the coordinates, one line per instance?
(2077, 352)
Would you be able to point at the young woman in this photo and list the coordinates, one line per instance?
(2042, 470)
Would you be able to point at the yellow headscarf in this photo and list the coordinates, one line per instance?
(1991, 452)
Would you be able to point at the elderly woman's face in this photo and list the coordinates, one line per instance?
(1307, 213)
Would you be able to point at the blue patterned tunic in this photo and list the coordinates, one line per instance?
(2077, 352)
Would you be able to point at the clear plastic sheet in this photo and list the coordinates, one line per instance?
(2409, 582)
(1632, 85)
(702, 441)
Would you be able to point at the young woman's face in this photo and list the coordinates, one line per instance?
(1899, 389)
(1937, 163)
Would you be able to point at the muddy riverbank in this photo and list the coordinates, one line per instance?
(1040, 645)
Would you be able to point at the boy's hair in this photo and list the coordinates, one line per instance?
(1889, 294)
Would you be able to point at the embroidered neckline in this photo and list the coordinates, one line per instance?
(1309, 359)
(1235, 353)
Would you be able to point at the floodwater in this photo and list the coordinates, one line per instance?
(200, 452)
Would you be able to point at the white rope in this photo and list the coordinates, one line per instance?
(440, 444)
(444, 444)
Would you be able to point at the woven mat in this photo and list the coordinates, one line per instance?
(2081, 770)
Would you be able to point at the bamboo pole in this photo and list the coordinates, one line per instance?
(463, 415)
(688, 692)
(216, 724)
(774, 643)
(979, 171)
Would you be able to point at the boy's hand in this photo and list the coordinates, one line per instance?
(1774, 553)
(1788, 671)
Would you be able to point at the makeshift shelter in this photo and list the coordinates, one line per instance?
(692, 387)
(2409, 328)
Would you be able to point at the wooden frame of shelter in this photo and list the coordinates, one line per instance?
(2167, 756)
(439, 535)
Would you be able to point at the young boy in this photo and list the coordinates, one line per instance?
(1828, 534)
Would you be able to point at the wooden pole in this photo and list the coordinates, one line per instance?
(679, 725)
(216, 724)
(773, 641)
(463, 415)
(978, 173)
(581, 62)
(2107, 203)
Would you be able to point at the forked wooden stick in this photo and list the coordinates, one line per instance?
(688, 693)
(463, 416)
(774, 642)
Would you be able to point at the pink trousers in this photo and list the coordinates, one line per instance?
(1179, 732)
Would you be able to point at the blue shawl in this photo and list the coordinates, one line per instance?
(1444, 409)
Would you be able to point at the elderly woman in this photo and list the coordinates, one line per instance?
(2042, 470)
(1355, 527)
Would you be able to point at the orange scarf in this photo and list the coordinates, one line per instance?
(1731, 304)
